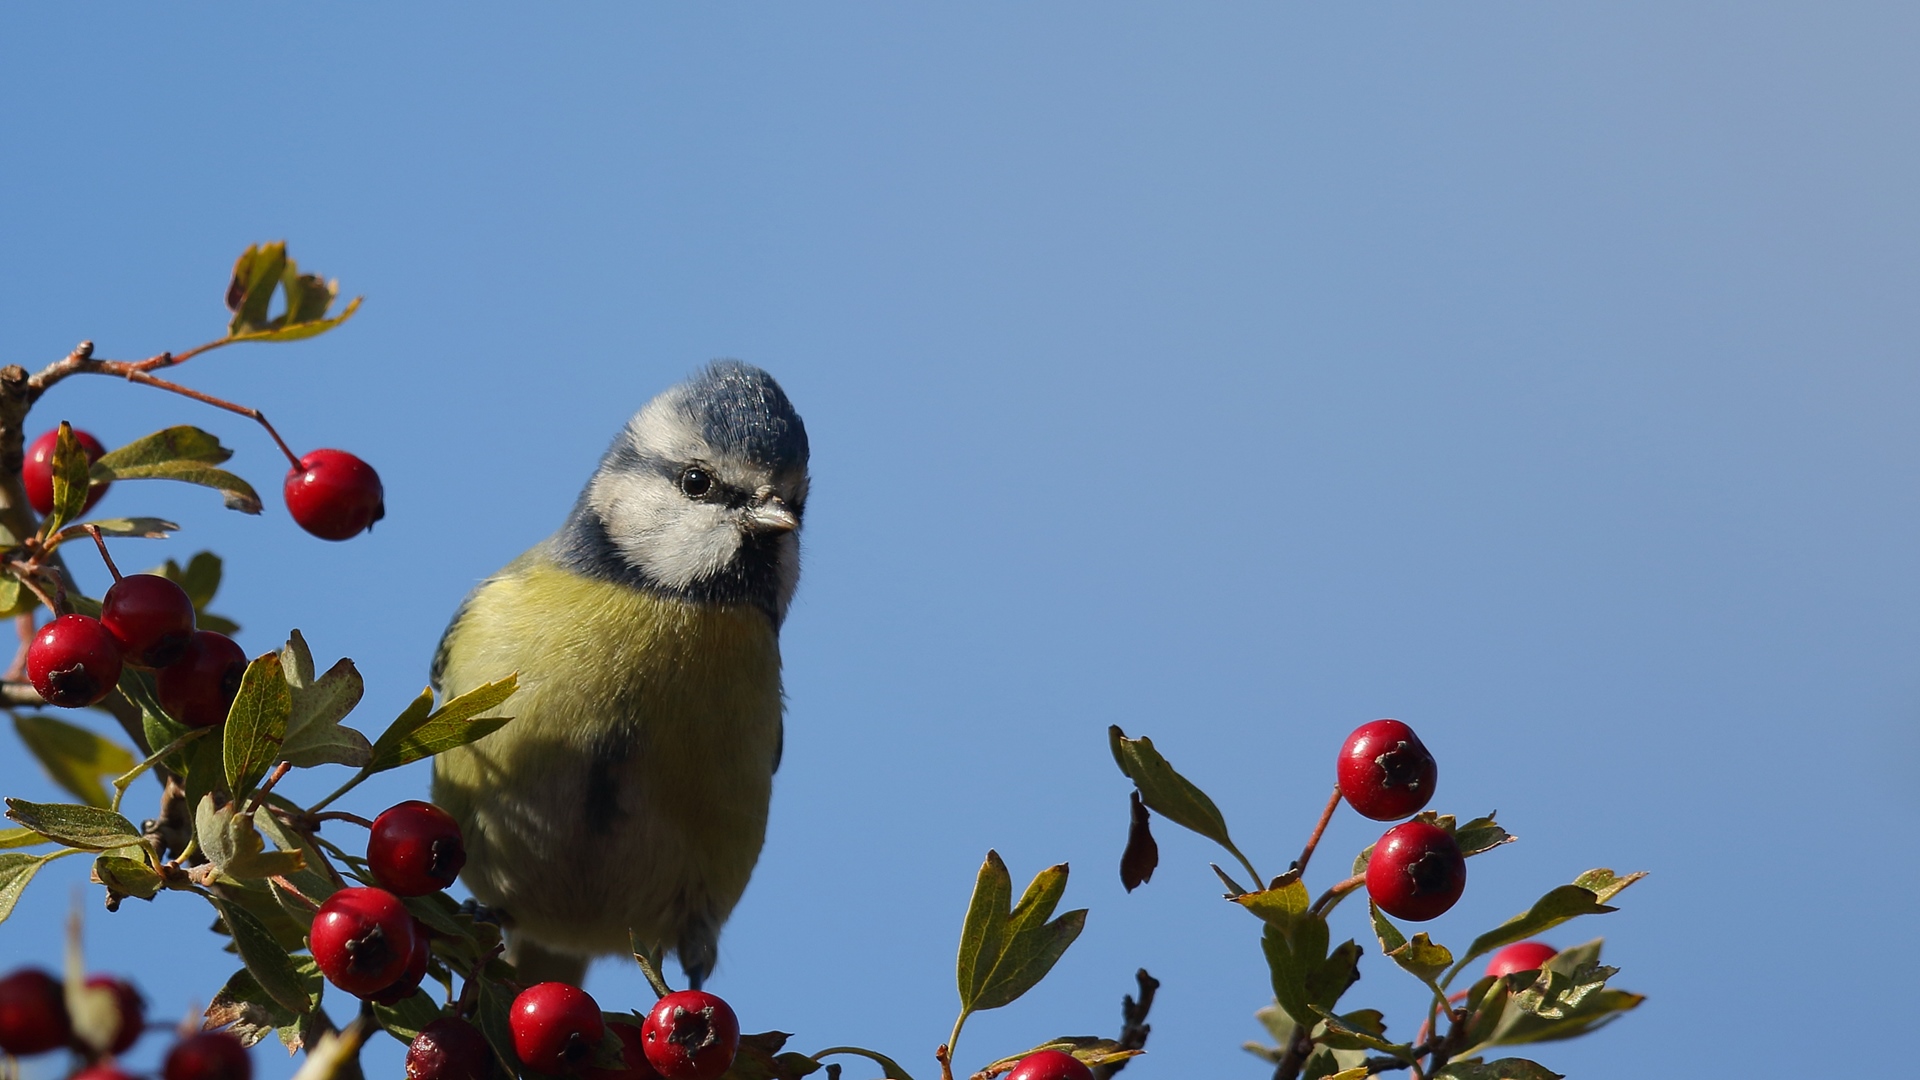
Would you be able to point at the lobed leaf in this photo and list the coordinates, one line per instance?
(262, 270)
(1281, 903)
(759, 1058)
(983, 932)
(256, 725)
(1420, 956)
(88, 828)
(315, 735)
(1359, 1031)
(419, 734)
(74, 757)
(1481, 835)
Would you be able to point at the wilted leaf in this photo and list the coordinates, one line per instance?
(123, 876)
(1142, 855)
(256, 724)
(264, 269)
(1481, 835)
(89, 828)
(415, 736)
(759, 1058)
(1604, 884)
(1359, 1031)
(1168, 793)
(256, 275)
(75, 757)
(272, 968)
(251, 1014)
(1421, 956)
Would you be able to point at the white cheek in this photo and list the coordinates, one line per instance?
(678, 541)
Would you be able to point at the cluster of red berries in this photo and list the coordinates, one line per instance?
(330, 493)
(1385, 772)
(34, 1020)
(557, 1029)
(364, 939)
(146, 621)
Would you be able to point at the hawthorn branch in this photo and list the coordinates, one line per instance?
(1134, 1028)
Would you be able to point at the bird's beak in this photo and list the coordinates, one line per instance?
(770, 514)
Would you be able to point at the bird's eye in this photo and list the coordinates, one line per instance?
(695, 483)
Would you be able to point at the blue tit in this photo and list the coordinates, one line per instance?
(630, 791)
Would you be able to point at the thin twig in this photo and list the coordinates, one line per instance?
(1134, 1028)
(1313, 841)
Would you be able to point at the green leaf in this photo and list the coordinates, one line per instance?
(234, 846)
(983, 933)
(1090, 1050)
(89, 828)
(759, 1058)
(889, 1068)
(418, 734)
(182, 442)
(199, 579)
(1557, 906)
(1294, 954)
(16, 870)
(1481, 835)
(1421, 956)
(74, 757)
(1033, 944)
(269, 963)
(311, 879)
(140, 528)
(314, 733)
(256, 724)
(404, 1018)
(1555, 994)
(1359, 1031)
(1503, 1069)
(124, 876)
(14, 597)
(1280, 904)
(1340, 970)
(69, 480)
(1169, 794)
(1565, 999)
(19, 838)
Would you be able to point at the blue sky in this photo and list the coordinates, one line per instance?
(1540, 375)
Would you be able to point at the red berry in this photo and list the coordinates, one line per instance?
(556, 1027)
(208, 1055)
(1050, 1065)
(449, 1049)
(691, 1035)
(633, 1055)
(150, 618)
(37, 470)
(334, 495)
(415, 848)
(132, 1010)
(102, 1070)
(1521, 956)
(33, 1013)
(1416, 872)
(1385, 772)
(405, 986)
(362, 939)
(73, 661)
(198, 688)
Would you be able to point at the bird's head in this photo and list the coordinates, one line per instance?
(702, 494)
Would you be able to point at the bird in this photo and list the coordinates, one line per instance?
(629, 793)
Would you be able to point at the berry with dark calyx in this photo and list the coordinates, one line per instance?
(33, 1013)
(449, 1049)
(1521, 956)
(73, 662)
(633, 1056)
(1050, 1065)
(362, 940)
(1416, 872)
(334, 495)
(208, 1055)
(199, 688)
(415, 848)
(408, 983)
(150, 618)
(1385, 771)
(132, 1009)
(556, 1028)
(691, 1035)
(36, 471)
